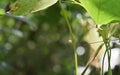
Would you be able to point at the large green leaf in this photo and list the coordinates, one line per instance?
(23, 7)
(103, 11)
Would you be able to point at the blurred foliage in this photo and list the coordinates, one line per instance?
(37, 44)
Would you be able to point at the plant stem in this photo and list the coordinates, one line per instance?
(103, 63)
(108, 49)
(96, 53)
(72, 38)
(104, 33)
(109, 57)
(73, 44)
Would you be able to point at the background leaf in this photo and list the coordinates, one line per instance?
(23, 7)
(102, 11)
(2, 11)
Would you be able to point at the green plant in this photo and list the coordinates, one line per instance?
(100, 11)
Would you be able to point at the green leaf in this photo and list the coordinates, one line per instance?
(104, 31)
(23, 7)
(103, 11)
(2, 11)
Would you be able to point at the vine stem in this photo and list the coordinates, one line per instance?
(109, 57)
(91, 60)
(104, 33)
(72, 38)
(108, 50)
(103, 63)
